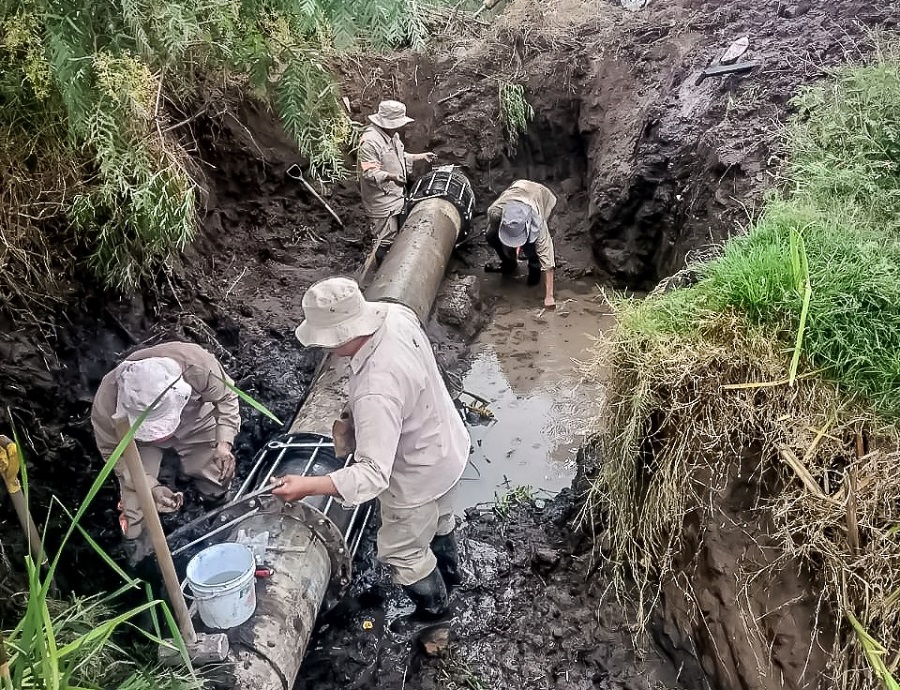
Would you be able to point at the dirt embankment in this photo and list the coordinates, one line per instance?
(647, 164)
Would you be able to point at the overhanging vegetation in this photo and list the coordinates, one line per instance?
(785, 348)
(94, 163)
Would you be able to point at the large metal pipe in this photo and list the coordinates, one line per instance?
(311, 543)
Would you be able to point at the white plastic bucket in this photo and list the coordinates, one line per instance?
(222, 580)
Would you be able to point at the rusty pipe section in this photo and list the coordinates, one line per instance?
(311, 544)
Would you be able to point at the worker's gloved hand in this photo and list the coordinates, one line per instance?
(138, 549)
(167, 501)
(429, 156)
(224, 460)
(344, 436)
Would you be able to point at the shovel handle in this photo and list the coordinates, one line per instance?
(154, 527)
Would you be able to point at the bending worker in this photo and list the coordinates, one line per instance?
(411, 445)
(197, 416)
(519, 218)
(383, 171)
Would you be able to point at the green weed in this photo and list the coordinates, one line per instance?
(72, 646)
(513, 498)
(94, 118)
(515, 112)
(820, 268)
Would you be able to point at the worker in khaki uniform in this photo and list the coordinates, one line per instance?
(519, 219)
(411, 445)
(196, 415)
(384, 168)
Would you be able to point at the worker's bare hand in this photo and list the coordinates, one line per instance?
(224, 460)
(549, 303)
(291, 487)
(167, 501)
(429, 157)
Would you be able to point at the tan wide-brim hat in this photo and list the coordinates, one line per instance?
(391, 115)
(142, 383)
(336, 312)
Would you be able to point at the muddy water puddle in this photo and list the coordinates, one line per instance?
(525, 365)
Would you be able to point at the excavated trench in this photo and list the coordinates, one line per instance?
(648, 166)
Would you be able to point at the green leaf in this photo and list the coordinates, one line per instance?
(247, 398)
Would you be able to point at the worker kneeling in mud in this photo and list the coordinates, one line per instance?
(519, 219)
(196, 415)
(411, 446)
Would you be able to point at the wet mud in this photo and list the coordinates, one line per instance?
(531, 613)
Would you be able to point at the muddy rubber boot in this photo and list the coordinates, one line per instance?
(430, 597)
(432, 606)
(445, 550)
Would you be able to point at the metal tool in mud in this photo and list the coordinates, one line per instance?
(9, 470)
(202, 648)
(480, 407)
(722, 70)
(188, 526)
(296, 172)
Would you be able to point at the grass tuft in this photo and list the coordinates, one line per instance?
(781, 361)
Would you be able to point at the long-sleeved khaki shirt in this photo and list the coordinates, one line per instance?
(211, 402)
(542, 201)
(411, 444)
(379, 157)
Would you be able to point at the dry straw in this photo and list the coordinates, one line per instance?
(683, 412)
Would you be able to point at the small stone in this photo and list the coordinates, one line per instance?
(795, 10)
(436, 641)
(545, 560)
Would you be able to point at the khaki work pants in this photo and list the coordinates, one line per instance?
(384, 230)
(404, 540)
(196, 453)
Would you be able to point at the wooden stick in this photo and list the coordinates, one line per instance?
(157, 537)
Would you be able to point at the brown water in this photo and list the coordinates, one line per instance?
(525, 365)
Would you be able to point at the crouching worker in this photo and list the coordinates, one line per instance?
(519, 218)
(197, 417)
(411, 445)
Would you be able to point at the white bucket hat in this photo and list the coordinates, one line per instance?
(391, 115)
(336, 312)
(140, 383)
(518, 224)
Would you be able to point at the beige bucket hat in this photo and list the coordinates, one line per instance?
(140, 383)
(391, 115)
(336, 312)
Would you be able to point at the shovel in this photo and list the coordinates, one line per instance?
(9, 468)
(202, 648)
(296, 173)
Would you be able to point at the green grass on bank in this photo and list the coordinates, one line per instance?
(841, 205)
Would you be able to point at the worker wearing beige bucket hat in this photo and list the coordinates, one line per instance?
(411, 446)
(384, 169)
(189, 410)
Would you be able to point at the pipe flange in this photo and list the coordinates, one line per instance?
(328, 533)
